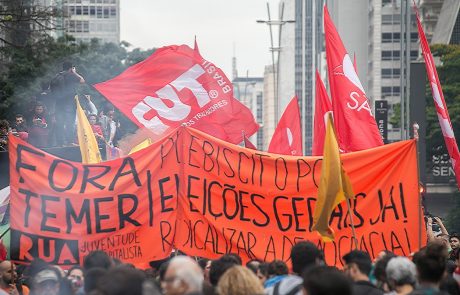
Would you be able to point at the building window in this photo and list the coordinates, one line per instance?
(99, 12)
(390, 55)
(85, 10)
(386, 73)
(390, 19)
(390, 91)
(386, 37)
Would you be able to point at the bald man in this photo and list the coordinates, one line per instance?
(183, 276)
(8, 277)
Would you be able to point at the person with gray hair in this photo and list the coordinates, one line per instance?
(183, 276)
(401, 275)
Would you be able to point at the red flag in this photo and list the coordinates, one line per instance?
(353, 119)
(248, 144)
(322, 107)
(287, 139)
(440, 103)
(176, 86)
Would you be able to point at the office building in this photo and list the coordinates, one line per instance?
(447, 30)
(384, 57)
(88, 19)
(250, 92)
(269, 122)
(300, 55)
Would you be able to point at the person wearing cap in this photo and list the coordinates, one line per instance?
(46, 282)
(8, 279)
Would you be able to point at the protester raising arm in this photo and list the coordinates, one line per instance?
(429, 230)
(92, 110)
(441, 225)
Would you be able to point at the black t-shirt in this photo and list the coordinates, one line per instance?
(64, 89)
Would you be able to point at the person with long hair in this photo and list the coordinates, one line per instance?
(239, 280)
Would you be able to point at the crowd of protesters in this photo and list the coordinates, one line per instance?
(50, 120)
(430, 271)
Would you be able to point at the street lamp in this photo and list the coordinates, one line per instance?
(274, 49)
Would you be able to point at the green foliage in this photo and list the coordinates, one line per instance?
(395, 120)
(30, 68)
(450, 80)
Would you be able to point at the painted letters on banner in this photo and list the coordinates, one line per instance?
(177, 86)
(206, 197)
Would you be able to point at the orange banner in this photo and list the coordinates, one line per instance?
(205, 197)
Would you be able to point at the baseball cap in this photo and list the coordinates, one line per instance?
(46, 275)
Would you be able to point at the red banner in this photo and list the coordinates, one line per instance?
(322, 107)
(440, 103)
(206, 197)
(353, 119)
(287, 138)
(176, 86)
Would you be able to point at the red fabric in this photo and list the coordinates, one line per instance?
(353, 119)
(322, 107)
(176, 86)
(97, 130)
(248, 144)
(440, 103)
(287, 139)
(3, 251)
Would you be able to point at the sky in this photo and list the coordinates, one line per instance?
(222, 27)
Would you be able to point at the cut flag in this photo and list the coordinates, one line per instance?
(353, 119)
(177, 86)
(322, 107)
(334, 187)
(88, 144)
(287, 138)
(440, 103)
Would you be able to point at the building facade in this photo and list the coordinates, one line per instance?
(88, 19)
(268, 114)
(300, 56)
(384, 57)
(250, 91)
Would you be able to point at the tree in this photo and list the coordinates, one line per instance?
(450, 80)
(23, 20)
(32, 66)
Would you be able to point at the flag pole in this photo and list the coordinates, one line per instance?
(353, 232)
(416, 127)
(4, 233)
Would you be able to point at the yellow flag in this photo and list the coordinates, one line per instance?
(334, 184)
(140, 146)
(88, 144)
